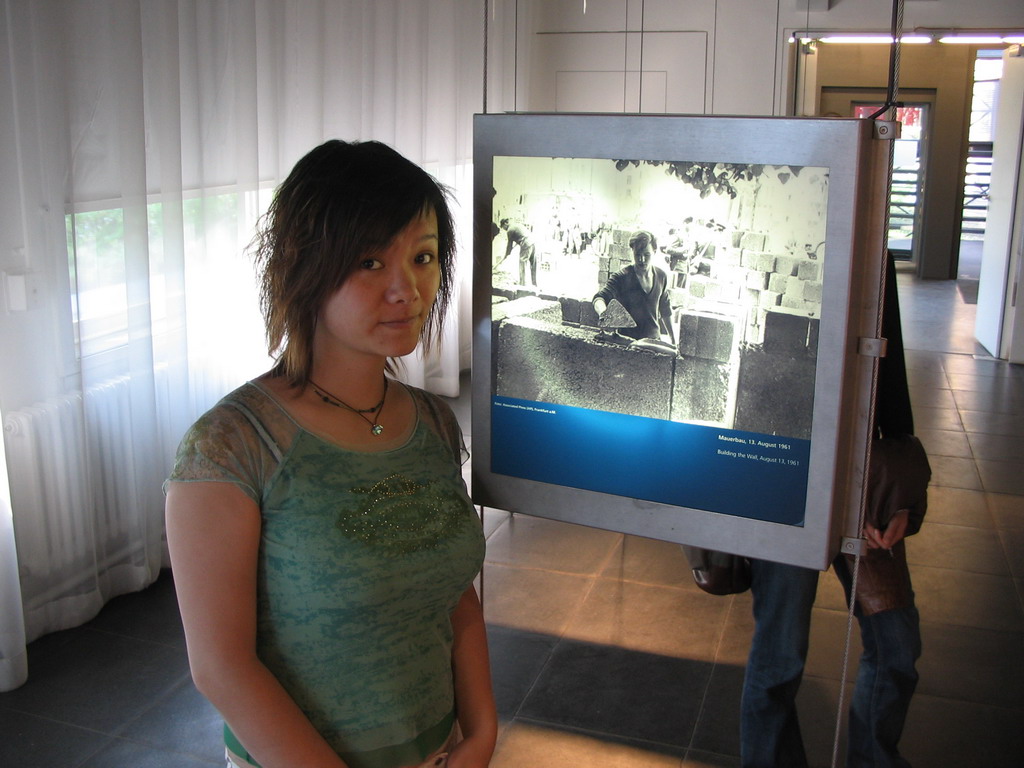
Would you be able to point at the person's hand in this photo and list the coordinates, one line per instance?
(878, 538)
(471, 753)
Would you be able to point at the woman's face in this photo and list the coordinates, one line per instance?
(381, 308)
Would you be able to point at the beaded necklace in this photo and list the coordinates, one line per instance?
(375, 428)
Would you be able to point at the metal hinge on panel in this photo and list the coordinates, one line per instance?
(854, 546)
(872, 347)
(887, 129)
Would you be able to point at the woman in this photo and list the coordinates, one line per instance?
(322, 540)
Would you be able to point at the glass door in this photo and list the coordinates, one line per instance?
(907, 198)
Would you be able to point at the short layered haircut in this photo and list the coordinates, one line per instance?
(341, 203)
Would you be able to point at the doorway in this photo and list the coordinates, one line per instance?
(910, 159)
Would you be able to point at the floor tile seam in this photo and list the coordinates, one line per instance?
(723, 630)
(931, 625)
(1000, 461)
(533, 685)
(945, 524)
(114, 738)
(57, 721)
(694, 752)
(560, 638)
(919, 566)
(964, 487)
(156, 701)
(135, 638)
(89, 754)
(958, 700)
(616, 737)
(687, 587)
(948, 624)
(541, 569)
(1008, 552)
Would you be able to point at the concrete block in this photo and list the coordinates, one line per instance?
(809, 270)
(787, 265)
(698, 286)
(536, 360)
(707, 336)
(802, 306)
(526, 305)
(769, 299)
(701, 391)
(812, 290)
(727, 273)
(570, 309)
(786, 333)
(727, 256)
(504, 292)
(777, 282)
(754, 241)
(588, 315)
(756, 280)
(775, 393)
(794, 289)
(759, 260)
(729, 292)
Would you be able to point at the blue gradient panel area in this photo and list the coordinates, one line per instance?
(719, 470)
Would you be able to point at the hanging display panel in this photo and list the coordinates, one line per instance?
(668, 312)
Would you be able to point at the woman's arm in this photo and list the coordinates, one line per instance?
(474, 698)
(213, 532)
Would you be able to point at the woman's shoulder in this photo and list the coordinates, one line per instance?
(248, 410)
(430, 405)
(438, 415)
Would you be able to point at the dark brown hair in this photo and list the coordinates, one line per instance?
(340, 203)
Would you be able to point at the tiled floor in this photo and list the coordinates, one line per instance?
(605, 655)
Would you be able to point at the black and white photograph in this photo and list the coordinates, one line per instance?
(688, 291)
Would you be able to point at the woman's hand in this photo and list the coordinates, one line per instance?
(890, 536)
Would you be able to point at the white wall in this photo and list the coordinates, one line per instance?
(742, 44)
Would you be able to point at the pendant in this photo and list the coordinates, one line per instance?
(377, 429)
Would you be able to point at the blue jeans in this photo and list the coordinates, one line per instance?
(769, 728)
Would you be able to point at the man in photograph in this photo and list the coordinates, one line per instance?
(642, 289)
(519, 235)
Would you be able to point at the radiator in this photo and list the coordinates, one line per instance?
(69, 462)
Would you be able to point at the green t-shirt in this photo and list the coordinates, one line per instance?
(363, 556)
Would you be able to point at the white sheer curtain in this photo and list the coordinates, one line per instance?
(144, 138)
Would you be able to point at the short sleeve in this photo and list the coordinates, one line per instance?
(223, 446)
(443, 421)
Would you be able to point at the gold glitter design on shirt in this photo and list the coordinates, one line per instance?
(400, 515)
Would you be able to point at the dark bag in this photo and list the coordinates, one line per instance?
(898, 479)
(718, 573)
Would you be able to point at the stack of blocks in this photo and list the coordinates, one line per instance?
(746, 274)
